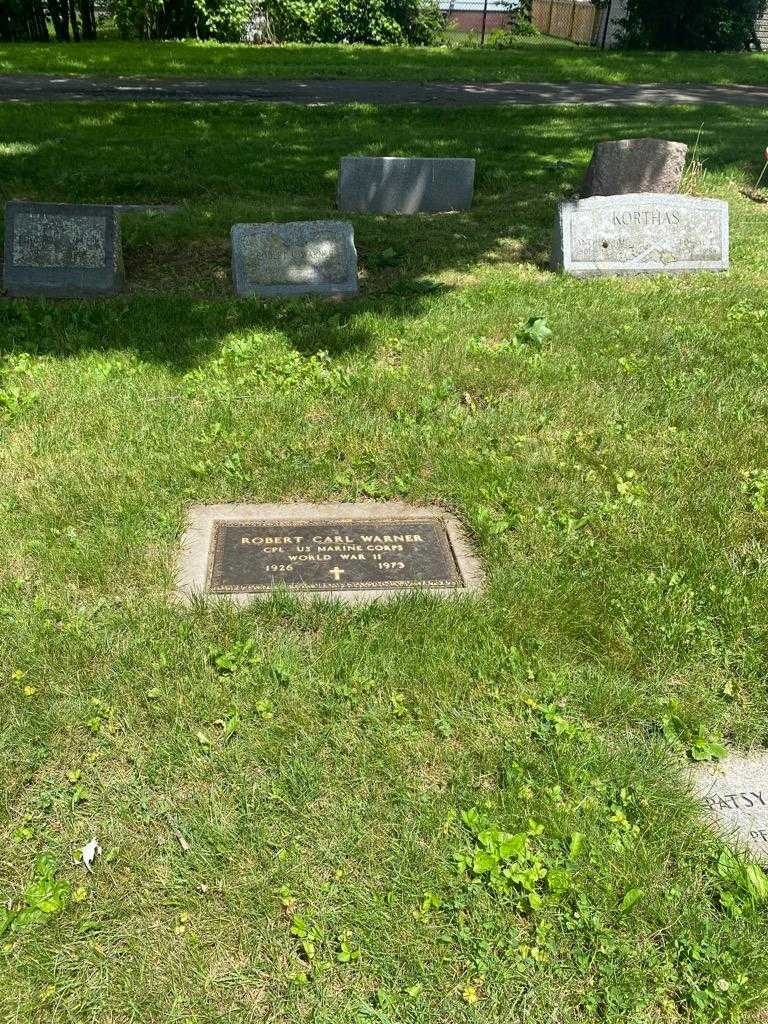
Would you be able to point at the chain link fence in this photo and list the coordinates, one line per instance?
(547, 22)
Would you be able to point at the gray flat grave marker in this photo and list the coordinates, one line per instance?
(148, 208)
(734, 796)
(393, 184)
(355, 552)
(62, 250)
(313, 257)
(642, 233)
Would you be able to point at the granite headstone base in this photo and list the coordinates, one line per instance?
(641, 234)
(635, 165)
(61, 250)
(392, 184)
(299, 258)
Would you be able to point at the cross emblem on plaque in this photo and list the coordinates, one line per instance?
(336, 572)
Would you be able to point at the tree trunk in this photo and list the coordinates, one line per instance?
(59, 12)
(74, 22)
(39, 22)
(88, 19)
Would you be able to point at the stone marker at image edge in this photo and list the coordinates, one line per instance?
(641, 234)
(315, 257)
(734, 795)
(62, 250)
(634, 165)
(393, 184)
(356, 552)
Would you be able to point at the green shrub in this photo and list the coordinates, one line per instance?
(507, 38)
(180, 19)
(378, 22)
(416, 22)
(714, 25)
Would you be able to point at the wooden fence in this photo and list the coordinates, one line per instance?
(576, 20)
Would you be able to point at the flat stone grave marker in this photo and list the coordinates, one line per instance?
(148, 208)
(356, 552)
(734, 795)
(393, 184)
(313, 257)
(642, 233)
(62, 250)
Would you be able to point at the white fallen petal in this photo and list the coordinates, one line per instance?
(89, 853)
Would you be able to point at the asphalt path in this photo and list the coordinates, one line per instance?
(325, 91)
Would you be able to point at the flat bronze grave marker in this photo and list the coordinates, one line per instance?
(353, 552)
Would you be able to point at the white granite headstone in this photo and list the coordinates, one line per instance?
(641, 233)
(734, 795)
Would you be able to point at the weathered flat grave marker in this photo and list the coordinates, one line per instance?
(312, 257)
(62, 251)
(353, 552)
(642, 233)
(734, 795)
(393, 184)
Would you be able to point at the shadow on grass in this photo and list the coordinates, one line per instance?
(535, 59)
(230, 163)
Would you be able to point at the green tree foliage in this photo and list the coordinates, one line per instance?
(416, 22)
(520, 11)
(182, 19)
(691, 24)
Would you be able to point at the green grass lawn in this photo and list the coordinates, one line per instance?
(533, 61)
(279, 790)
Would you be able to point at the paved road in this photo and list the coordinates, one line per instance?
(323, 91)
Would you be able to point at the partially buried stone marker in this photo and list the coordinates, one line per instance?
(734, 795)
(393, 184)
(62, 250)
(641, 234)
(350, 552)
(316, 257)
(635, 165)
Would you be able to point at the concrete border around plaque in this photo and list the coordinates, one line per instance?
(282, 260)
(641, 233)
(354, 552)
(62, 250)
(733, 794)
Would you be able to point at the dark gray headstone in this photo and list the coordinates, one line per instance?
(734, 796)
(635, 165)
(393, 184)
(314, 257)
(62, 251)
(641, 234)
